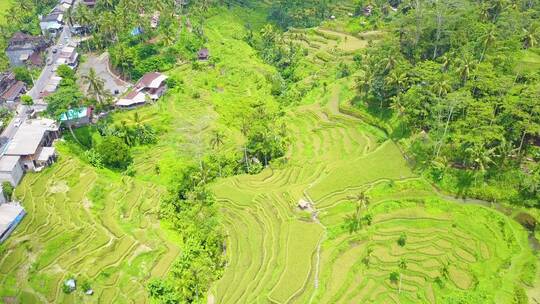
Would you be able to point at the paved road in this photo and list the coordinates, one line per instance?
(65, 38)
(101, 65)
(48, 71)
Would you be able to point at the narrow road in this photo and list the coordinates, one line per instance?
(65, 38)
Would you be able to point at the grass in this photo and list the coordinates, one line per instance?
(529, 61)
(4, 6)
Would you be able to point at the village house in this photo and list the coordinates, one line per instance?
(68, 56)
(77, 117)
(53, 22)
(64, 5)
(154, 22)
(25, 49)
(151, 86)
(89, 3)
(203, 54)
(33, 144)
(11, 215)
(10, 169)
(10, 88)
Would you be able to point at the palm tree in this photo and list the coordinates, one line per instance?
(363, 84)
(389, 62)
(398, 80)
(353, 221)
(217, 139)
(402, 264)
(96, 86)
(445, 62)
(530, 36)
(466, 65)
(488, 39)
(441, 87)
(361, 199)
(445, 273)
(244, 128)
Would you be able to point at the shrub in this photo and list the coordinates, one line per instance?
(402, 240)
(7, 188)
(114, 152)
(394, 277)
(93, 158)
(520, 296)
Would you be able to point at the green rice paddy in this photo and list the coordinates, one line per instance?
(88, 225)
(4, 6)
(102, 227)
(278, 253)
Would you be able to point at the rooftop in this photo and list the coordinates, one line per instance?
(151, 80)
(8, 162)
(9, 213)
(14, 91)
(132, 98)
(76, 113)
(46, 153)
(29, 136)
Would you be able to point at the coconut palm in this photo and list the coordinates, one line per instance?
(389, 62)
(217, 139)
(441, 87)
(361, 199)
(397, 80)
(488, 39)
(465, 67)
(353, 221)
(96, 86)
(530, 36)
(402, 264)
(363, 84)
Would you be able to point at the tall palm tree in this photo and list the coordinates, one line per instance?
(363, 84)
(361, 199)
(96, 86)
(402, 264)
(398, 80)
(441, 87)
(217, 139)
(353, 221)
(466, 65)
(530, 36)
(244, 128)
(488, 39)
(389, 62)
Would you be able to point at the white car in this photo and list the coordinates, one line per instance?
(17, 122)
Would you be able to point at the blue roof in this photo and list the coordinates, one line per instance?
(74, 114)
(136, 31)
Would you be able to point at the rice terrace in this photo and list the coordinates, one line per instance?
(276, 151)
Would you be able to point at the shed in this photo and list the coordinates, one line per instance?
(10, 169)
(203, 54)
(11, 215)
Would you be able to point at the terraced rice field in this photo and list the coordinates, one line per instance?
(280, 254)
(4, 6)
(90, 226)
